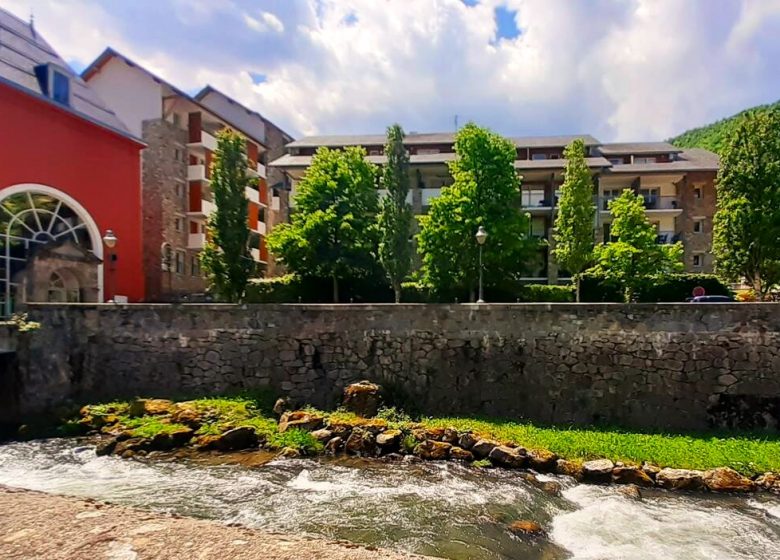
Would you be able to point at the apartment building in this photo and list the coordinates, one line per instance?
(678, 186)
(180, 132)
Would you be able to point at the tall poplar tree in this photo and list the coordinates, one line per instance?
(395, 216)
(573, 233)
(747, 222)
(226, 259)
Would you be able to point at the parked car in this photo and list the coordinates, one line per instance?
(712, 299)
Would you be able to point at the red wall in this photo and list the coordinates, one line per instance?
(40, 143)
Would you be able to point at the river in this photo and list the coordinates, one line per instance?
(439, 509)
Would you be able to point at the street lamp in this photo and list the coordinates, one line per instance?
(110, 240)
(481, 238)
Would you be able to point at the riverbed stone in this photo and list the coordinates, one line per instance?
(483, 447)
(631, 475)
(650, 469)
(362, 398)
(542, 460)
(769, 481)
(188, 414)
(432, 450)
(526, 527)
(551, 487)
(389, 438)
(323, 434)
(129, 445)
(301, 420)
(679, 479)
(105, 446)
(361, 442)
(569, 468)
(467, 440)
(170, 440)
(282, 405)
(436, 434)
(599, 470)
(450, 436)
(334, 445)
(510, 457)
(151, 407)
(460, 454)
(631, 491)
(724, 479)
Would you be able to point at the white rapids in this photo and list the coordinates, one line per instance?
(440, 509)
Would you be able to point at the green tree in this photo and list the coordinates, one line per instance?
(573, 233)
(395, 216)
(635, 255)
(333, 230)
(485, 192)
(747, 220)
(226, 259)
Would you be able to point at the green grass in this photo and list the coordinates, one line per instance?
(150, 426)
(747, 453)
(104, 409)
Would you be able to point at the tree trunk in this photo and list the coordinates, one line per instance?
(577, 288)
(397, 292)
(335, 290)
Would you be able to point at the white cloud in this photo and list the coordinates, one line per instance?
(266, 22)
(619, 69)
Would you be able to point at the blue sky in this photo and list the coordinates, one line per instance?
(618, 69)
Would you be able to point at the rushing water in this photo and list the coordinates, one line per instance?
(440, 509)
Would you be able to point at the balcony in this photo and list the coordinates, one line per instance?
(255, 254)
(198, 173)
(201, 141)
(261, 170)
(252, 195)
(534, 201)
(261, 228)
(276, 204)
(196, 240)
(652, 203)
(667, 237)
(200, 208)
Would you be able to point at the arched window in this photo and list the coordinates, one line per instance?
(35, 218)
(57, 291)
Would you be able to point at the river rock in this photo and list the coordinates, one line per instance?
(542, 460)
(129, 446)
(243, 437)
(599, 470)
(769, 481)
(187, 414)
(389, 438)
(170, 440)
(340, 429)
(526, 527)
(105, 446)
(467, 440)
(631, 491)
(508, 456)
(460, 454)
(450, 436)
(432, 450)
(650, 470)
(334, 445)
(436, 434)
(301, 420)
(282, 405)
(323, 434)
(631, 475)
(362, 398)
(151, 407)
(724, 479)
(679, 479)
(483, 447)
(551, 487)
(290, 453)
(361, 442)
(569, 468)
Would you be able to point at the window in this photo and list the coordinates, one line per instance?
(177, 120)
(180, 262)
(645, 160)
(697, 192)
(60, 90)
(698, 225)
(195, 266)
(538, 156)
(428, 151)
(179, 224)
(166, 257)
(261, 215)
(698, 260)
(181, 190)
(616, 161)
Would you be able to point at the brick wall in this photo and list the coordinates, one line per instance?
(693, 208)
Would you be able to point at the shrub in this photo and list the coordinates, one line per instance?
(667, 288)
(547, 293)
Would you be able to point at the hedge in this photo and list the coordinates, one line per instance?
(666, 288)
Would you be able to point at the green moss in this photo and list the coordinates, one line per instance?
(297, 439)
(118, 408)
(482, 463)
(150, 426)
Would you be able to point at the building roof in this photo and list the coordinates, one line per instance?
(532, 164)
(638, 148)
(552, 141)
(22, 49)
(694, 159)
(110, 53)
(288, 161)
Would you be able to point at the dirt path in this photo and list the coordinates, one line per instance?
(34, 525)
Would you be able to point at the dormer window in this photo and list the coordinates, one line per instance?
(54, 82)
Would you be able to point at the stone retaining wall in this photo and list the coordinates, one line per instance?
(683, 366)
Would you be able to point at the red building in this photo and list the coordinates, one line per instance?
(69, 171)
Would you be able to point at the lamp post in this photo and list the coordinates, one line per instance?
(481, 238)
(109, 240)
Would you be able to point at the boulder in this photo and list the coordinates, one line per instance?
(631, 475)
(282, 405)
(362, 398)
(483, 447)
(679, 479)
(243, 437)
(460, 454)
(769, 481)
(290, 453)
(433, 450)
(599, 470)
(650, 469)
(187, 414)
(551, 487)
(450, 436)
(724, 479)
(526, 527)
(129, 446)
(389, 439)
(334, 445)
(301, 420)
(150, 407)
(170, 440)
(542, 460)
(105, 446)
(467, 440)
(361, 442)
(436, 434)
(323, 434)
(340, 429)
(510, 457)
(569, 468)
(631, 491)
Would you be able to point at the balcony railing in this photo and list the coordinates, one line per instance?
(667, 237)
(252, 194)
(196, 240)
(261, 170)
(651, 202)
(200, 140)
(198, 173)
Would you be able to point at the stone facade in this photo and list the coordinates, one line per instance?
(276, 139)
(165, 205)
(672, 366)
(698, 199)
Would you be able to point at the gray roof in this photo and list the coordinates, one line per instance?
(415, 139)
(532, 164)
(22, 49)
(694, 159)
(638, 148)
(288, 161)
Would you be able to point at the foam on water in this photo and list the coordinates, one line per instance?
(441, 509)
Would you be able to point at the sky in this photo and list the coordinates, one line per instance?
(618, 69)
